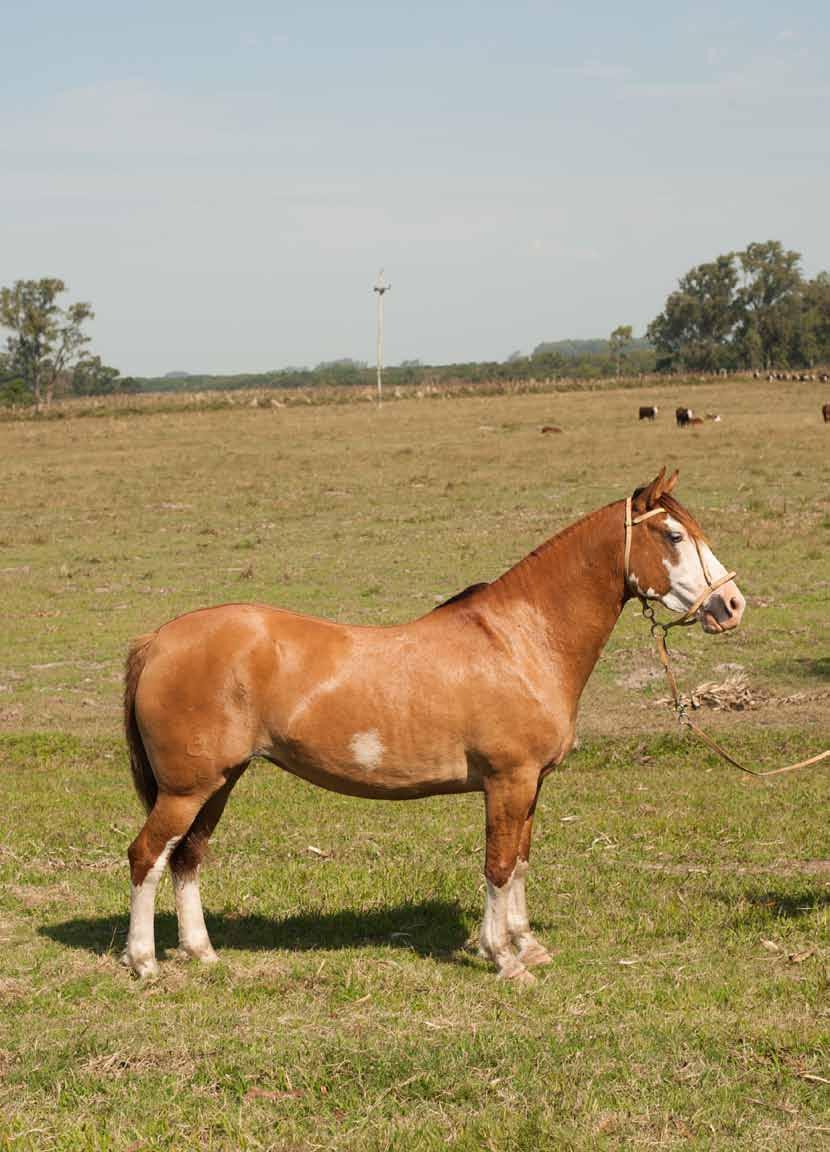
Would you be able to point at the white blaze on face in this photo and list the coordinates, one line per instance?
(367, 749)
(688, 580)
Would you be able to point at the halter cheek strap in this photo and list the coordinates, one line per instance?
(711, 585)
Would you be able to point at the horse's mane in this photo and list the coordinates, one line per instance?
(463, 595)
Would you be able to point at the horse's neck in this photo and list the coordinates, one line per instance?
(574, 586)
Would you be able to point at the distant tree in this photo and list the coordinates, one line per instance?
(12, 388)
(91, 377)
(752, 309)
(619, 340)
(816, 319)
(695, 327)
(769, 300)
(749, 345)
(46, 339)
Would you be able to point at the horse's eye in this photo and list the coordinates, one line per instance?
(675, 537)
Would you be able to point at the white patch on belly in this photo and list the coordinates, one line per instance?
(367, 749)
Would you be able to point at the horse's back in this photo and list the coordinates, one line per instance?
(328, 701)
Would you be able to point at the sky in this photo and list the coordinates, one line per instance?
(224, 181)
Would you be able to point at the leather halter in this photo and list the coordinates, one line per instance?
(660, 632)
(711, 585)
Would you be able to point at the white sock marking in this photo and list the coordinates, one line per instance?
(495, 936)
(193, 935)
(518, 924)
(141, 941)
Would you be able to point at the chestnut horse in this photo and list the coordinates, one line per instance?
(479, 695)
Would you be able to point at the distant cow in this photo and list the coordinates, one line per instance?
(648, 411)
(683, 416)
(825, 411)
(551, 428)
(694, 421)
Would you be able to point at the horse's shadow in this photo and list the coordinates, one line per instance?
(434, 928)
(777, 905)
(766, 905)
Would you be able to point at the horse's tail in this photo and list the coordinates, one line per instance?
(143, 778)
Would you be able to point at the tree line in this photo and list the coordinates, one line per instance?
(743, 310)
(47, 348)
(752, 309)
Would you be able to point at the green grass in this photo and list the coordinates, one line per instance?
(687, 907)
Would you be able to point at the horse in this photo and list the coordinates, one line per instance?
(478, 695)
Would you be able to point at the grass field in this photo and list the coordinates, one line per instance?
(688, 1005)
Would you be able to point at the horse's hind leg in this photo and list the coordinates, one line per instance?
(166, 825)
(184, 864)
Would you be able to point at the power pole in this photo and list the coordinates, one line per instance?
(380, 288)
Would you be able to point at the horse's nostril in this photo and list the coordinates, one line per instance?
(734, 603)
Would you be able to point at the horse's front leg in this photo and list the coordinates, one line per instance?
(508, 799)
(531, 952)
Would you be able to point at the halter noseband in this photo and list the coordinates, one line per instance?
(711, 586)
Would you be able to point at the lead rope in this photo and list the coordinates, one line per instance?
(660, 632)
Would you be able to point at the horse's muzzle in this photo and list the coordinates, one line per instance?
(724, 609)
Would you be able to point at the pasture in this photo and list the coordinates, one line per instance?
(687, 907)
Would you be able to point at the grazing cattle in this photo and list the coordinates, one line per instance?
(683, 416)
(714, 417)
(694, 421)
(648, 411)
(825, 411)
(479, 695)
(551, 428)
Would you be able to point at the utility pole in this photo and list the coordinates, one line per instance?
(380, 288)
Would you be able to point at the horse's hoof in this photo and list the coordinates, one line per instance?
(516, 973)
(204, 953)
(534, 955)
(145, 967)
(518, 976)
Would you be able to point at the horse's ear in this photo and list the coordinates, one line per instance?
(646, 498)
(671, 483)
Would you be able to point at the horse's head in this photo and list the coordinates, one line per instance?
(670, 560)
